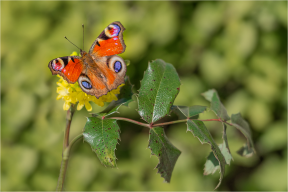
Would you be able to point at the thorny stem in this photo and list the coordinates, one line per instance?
(66, 149)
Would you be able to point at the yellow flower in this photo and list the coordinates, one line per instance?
(72, 93)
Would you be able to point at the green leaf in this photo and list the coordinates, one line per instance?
(184, 112)
(159, 87)
(237, 121)
(216, 104)
(124, 98)
(200, 131)
(212, 164)
(166, 152)
(245, 151)
(102, 135)
(225, 147)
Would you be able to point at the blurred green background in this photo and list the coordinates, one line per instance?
(238, 48)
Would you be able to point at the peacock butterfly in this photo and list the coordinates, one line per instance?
(100, 70)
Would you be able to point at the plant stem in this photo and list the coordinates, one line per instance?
(65, 153)
(169, 123)
(162, 124)
(215, 120)
(74, 140)
(131, 121)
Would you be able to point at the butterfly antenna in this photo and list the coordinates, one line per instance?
(72, 43)
(83, 35)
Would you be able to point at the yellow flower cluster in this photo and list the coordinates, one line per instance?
(72, 93)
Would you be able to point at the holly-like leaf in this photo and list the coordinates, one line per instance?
(237, 121)
(200, 131)
(184, 112)
(102, 135)
(159, 88)
(216, 105)
(245, 151)
(225, 147)
(166, 152)
(124, 98)
(212, 164)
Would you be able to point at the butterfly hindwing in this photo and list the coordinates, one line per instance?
(116, 71)
(69, 67)
(107, 75)
(109, 42)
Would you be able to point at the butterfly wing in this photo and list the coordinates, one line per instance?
(99, 78)
(69, 67)
(109, 42)
(103, 51)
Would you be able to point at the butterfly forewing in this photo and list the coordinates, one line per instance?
(69, 67)
(109, 42)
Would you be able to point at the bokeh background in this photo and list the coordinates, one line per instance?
(238, 48)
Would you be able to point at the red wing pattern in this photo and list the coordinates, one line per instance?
(69, 67)
(109, 42)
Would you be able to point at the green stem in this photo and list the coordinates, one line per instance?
(65, 153)
(75, 139)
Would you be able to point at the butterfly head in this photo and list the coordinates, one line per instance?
(83, 53)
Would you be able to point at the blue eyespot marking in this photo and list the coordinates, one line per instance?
(117, 66)
(115, 30)
(86, 85)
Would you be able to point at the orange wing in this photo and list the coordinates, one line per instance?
(102, 77)
(69, 67)
(109, 42)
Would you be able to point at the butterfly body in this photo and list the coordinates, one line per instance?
(100, 70)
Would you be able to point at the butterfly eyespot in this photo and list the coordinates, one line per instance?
(112, 30)
(117, 66)
(58, 64)
(86, 85)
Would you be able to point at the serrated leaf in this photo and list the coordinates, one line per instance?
(184, 112)
(245, 151)
(200, 131)
(166, 152)
(237, 121)
(212, 164)
(159, 88)
(225, 147)
(124, 98)
(216, 105)
(102, 135)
